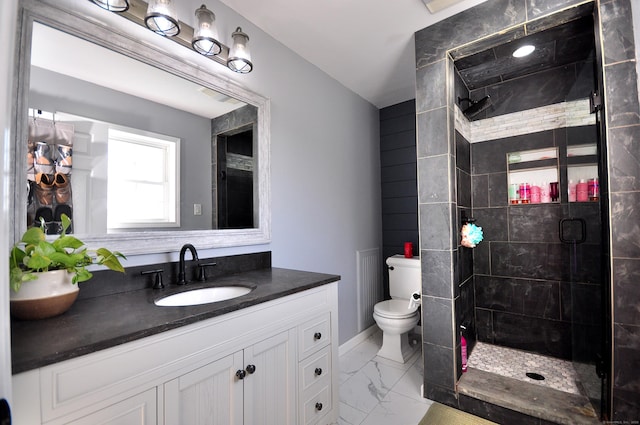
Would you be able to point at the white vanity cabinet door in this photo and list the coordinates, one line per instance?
(137, 410)
(270, 391)
(210, 395)
(215, 395)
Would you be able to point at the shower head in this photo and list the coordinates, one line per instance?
(475, 106)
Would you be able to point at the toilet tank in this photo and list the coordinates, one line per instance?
(404, 276)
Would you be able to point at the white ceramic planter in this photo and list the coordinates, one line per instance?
(48, 296)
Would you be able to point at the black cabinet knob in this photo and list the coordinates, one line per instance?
(241, 374)
(318, 406)
(318, 371)
(251, 368)
(317, 336)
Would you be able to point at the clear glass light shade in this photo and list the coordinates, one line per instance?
(239, 56)
(205, 35)
(113, 5)
(162, 18)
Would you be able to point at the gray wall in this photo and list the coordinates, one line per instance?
(438, 221)
(398, 179)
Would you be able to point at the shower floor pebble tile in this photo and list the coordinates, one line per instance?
(559, 374)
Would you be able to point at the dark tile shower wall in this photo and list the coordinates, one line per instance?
(623, 124)
(398, 179)
(623, 129)
(526, 280)
(465, 302)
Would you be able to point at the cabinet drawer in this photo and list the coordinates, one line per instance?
(317, 404)
(315, 368)
(313, 335)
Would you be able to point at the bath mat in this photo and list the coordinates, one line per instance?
(439, 414)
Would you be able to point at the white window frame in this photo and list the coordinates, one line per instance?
(171, 182)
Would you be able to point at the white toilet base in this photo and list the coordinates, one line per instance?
(396, 347)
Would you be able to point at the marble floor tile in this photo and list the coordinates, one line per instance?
(368, 387)
(350, 415)
(397, 409)
(410, 385)
(375, 390)
(354, 360)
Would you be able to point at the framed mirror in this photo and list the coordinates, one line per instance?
(195, 164)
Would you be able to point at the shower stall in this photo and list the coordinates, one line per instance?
(532, 308)
(528, 171)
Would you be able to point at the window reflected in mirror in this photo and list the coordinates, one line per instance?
(142, 182)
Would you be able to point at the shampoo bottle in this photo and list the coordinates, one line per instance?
(463, 348)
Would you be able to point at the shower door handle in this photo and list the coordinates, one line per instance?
(583, 230)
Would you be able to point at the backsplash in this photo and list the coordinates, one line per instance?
(107, 282)
(560, 115)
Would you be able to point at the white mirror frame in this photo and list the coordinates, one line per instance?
(87, 21)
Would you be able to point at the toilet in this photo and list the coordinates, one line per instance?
(395, 317)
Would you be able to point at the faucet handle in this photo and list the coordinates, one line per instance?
(201, 270)
(157, 282)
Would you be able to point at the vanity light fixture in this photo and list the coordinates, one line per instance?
(239, 56)
(205, 35)
(161, 18)
(113, 5)
(524, 50)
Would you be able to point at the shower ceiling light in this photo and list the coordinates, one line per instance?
(524, 50)
(160, 17)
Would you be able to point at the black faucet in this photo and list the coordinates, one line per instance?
(194, 255)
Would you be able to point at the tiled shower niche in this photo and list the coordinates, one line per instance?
(533, 176)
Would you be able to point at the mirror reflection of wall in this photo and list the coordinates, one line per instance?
(66, 75)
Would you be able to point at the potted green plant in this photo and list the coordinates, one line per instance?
(44, 274)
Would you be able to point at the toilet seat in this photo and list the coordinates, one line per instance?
(394, 309)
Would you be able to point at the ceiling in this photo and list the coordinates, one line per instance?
(558, 46)
(366, 45)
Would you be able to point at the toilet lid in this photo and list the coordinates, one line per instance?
(394, 309)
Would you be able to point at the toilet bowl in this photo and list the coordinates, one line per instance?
(395, 320)
(396, 317)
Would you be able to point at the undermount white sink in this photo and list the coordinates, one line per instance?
(202, 296)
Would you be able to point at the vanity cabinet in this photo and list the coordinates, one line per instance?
(271, 363)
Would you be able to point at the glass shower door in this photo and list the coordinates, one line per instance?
(580, 230)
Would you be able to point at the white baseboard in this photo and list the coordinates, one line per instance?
(350, 344)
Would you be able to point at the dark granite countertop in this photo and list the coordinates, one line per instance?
(101, 322)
